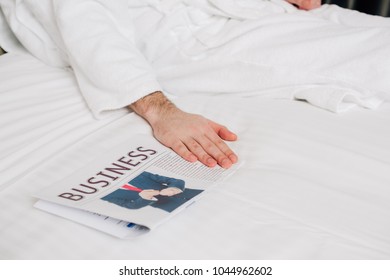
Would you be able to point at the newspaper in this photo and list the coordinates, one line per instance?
(131, 189)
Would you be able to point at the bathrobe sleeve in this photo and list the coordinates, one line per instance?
(99, 40)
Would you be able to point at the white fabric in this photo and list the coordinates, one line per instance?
(8, 41)
(331, 57)
(315, 185)
(33, 117)
(110, 70)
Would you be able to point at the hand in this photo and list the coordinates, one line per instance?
(191, 136)
(306, 4)
(170, 191)
(149, 194)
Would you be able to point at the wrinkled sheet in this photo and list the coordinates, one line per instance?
(314, 185)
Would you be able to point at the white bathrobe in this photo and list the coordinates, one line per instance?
(123, 50)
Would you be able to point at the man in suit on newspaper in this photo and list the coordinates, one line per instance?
(158, 191)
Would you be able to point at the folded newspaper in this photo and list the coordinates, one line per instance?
(130, 190)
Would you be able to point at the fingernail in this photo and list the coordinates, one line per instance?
(211, 162)
(226, 163)
(233, 158)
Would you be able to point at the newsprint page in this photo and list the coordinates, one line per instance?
(130, 190)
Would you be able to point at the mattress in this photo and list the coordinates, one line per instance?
(312, 185)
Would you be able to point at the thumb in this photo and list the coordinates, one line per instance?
(223, 132)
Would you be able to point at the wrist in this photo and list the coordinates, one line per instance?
(153, 107)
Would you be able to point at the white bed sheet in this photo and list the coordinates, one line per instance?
(314, 185)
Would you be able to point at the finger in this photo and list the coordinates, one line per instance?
(223, 131)
(223, 152)
(199, 151)
(179, 148)
(225, 134)
(215, 147)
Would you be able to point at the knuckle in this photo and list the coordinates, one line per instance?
(194, 145)
(177, 146)
(205, 157)
(209, 146)
(221, 158)
(220, 143)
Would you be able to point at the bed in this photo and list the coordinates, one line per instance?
(313, 184)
